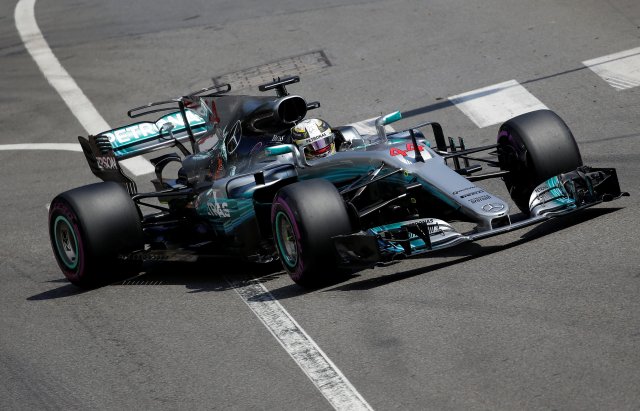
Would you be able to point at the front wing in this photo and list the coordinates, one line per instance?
(560, 195)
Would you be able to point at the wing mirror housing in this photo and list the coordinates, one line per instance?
(278, 150)
(383, 121)
(298, 157)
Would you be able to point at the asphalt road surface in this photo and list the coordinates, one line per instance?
(540, 318)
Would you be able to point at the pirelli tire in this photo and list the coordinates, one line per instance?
(534, 147)
(304, 217)
(90, 227)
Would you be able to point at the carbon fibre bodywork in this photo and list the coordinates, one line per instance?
(404, 197)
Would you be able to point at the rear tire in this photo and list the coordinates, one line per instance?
(304, 217)
(534, 147)
(89, 228)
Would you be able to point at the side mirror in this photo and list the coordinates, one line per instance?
(391, 118)
(298, 158)
(383, 121)
(278, 150)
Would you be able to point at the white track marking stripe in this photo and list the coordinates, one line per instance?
(63, 83)
(335, 387)
(621, 70)
(621, 83)
(313, 361)
(496, 103)
(42, 146)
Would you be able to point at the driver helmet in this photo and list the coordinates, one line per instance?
(315, 137)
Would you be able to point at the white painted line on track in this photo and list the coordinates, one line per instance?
(335, 387)
(63, 83)
(42, 146)
(497, 103)
(313, 361)
(620, 70)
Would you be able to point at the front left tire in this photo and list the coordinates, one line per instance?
(304, 218)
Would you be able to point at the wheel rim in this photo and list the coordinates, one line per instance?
(286, 239)
(66, 242)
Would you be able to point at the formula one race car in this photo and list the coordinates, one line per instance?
(245, 188)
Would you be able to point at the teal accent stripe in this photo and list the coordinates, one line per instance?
(557, 191)
(61, 253)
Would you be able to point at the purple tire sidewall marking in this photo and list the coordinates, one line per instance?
(510, 139)
(69, 215)
(505, 133)
(299, 268)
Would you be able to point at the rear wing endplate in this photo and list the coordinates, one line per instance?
(103, 162)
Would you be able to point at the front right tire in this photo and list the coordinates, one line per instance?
(534, 147)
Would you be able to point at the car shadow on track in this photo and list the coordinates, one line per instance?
(229, 275)
(472, 251)
(211, 275)
(205, 275)
(66, 290)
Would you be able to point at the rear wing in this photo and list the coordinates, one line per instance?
(146, 136)
(105, 150)
(187, 116)
(185, 123)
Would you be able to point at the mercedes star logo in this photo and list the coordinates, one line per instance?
(493, 207)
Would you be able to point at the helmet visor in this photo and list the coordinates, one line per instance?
(320, 145)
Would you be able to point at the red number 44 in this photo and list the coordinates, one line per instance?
(396, 151)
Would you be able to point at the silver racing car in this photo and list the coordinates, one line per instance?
(259, 180)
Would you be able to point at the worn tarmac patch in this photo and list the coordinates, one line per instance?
(254, 76)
